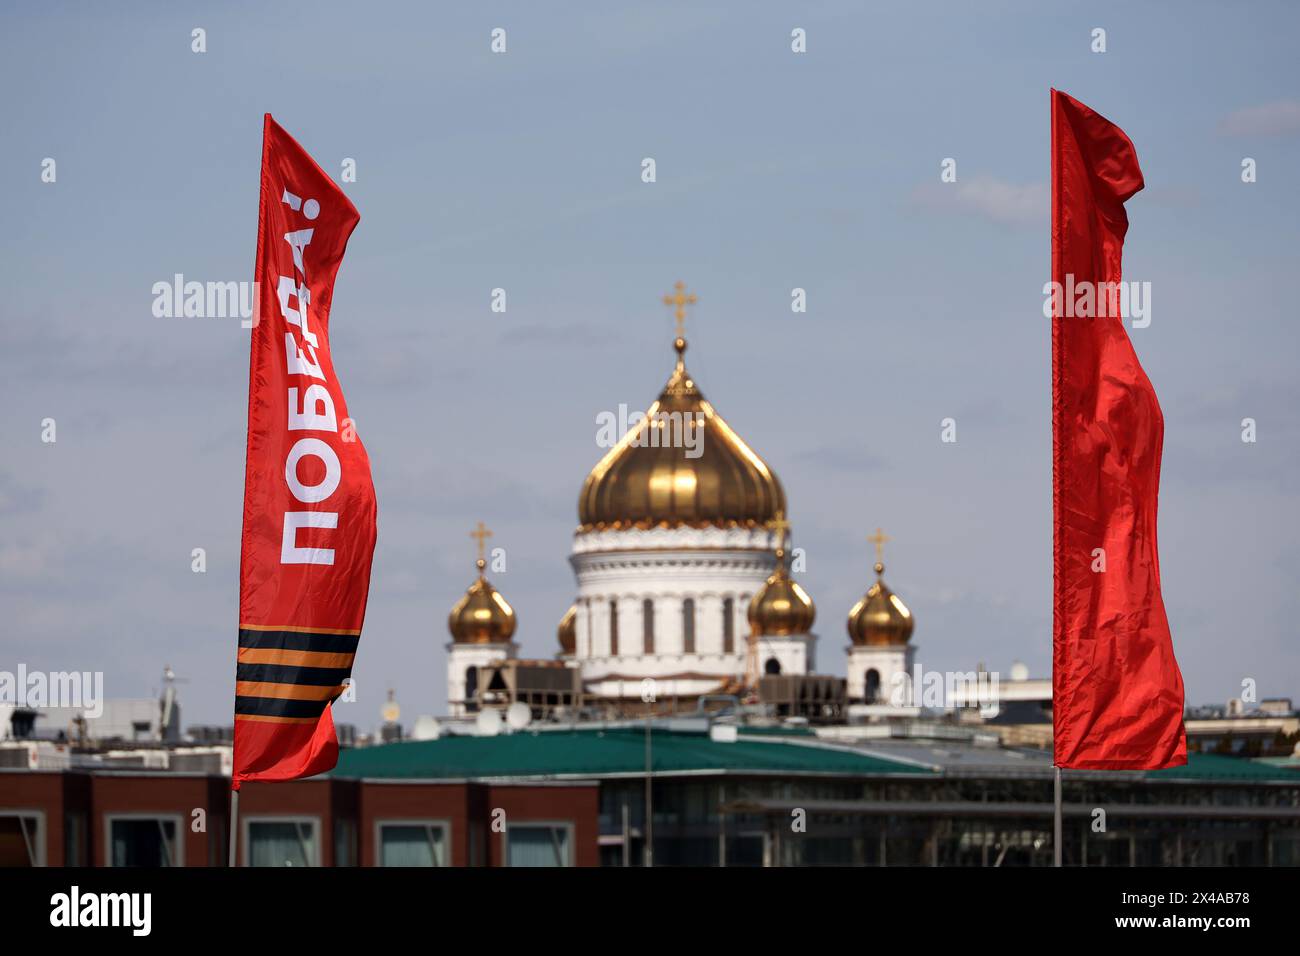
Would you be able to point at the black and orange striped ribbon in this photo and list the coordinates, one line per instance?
(289, 675)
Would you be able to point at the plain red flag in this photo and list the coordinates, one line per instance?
(1117, 691)
(309, 503)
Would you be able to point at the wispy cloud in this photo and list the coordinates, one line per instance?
(1280, 118)
(1013, 204)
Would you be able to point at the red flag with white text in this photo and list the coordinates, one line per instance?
(309, 503)
(1117, 691)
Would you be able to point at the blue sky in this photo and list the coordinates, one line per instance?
(522, 171)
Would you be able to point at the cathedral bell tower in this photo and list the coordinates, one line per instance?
(481, 625)
(781, 616)
(880, 657)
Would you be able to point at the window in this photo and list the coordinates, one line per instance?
(873, 686)
(648, 625)
(281, 842)
(412, 843)
(729, 626)
(143, 840)
(539, 844)
(688, 626)
(613, 628)
(22, 838)
(471, 684)
(773, 666)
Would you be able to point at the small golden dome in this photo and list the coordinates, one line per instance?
(482, 615)
(880, 618)
(567, 632)
(644, 481)
(781, 607)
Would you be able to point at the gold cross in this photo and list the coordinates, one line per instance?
(482, 534)
(681, 300)
(879, 539)
(780, 526)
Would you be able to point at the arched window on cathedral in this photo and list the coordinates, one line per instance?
(648, 625)
(688, 626)
(873, 686)
(471, 685)
(773, 666)
(613, 628)
(729, 626)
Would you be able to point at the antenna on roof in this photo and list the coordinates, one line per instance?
(519, 715)
(167, 700)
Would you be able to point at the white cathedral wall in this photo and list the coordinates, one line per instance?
(888, 661)
(795, 653)
(665, 566)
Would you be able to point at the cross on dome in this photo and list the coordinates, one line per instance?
(780, 526)
(680, 298)
(481, 534)
(879, 539)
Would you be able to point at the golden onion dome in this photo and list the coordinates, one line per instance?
(781, 607)
(647, 479)
(880, 618)
(567, 632)
(482, 615)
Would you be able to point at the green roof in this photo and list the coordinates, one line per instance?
(591, 752)
(1220, 767)
(599, 753)
(1290, 762)
(777, 731)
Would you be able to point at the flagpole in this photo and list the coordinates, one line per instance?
(649, 798)
(234, 825)
(1056, 822)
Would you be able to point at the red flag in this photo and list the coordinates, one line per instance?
(1117, 691)
(309, 504)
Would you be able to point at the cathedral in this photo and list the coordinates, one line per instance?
(683, 582)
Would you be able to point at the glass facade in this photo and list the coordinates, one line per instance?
(412, 844)
(144, 841)
(973, 821)
(282, 843)
(20, 844)
(539, 844)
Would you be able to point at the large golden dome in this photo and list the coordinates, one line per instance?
(644, 482)
(482, 615)
(781, 607)
(880, 618)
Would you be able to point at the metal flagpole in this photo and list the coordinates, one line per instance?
(649, 799)
(234, 825)
(1056, 831)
